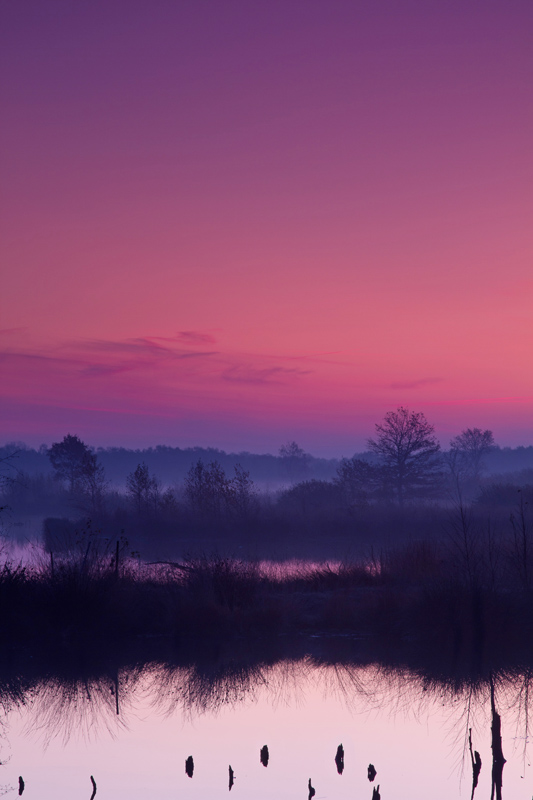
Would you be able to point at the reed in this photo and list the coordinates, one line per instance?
(421, 594)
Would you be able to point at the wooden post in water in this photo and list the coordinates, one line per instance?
(117, 707)
(189, 766)
(476, 764)
(94, 787)
(339, 759)
(498, 761)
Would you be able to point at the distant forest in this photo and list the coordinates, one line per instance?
(171, 464)
(163, 502)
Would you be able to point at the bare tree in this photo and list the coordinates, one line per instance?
(242, 493)
(7, 468)
(408, 451)
(211, 493)
(93, 482)
(207, 488)
(142, 488)
(76, 464)
(68, 458)
(469, 450)
(295, 460)
(357, 480)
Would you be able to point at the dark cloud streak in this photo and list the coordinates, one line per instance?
(415, 384)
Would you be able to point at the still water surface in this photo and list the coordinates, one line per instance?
(413, 730)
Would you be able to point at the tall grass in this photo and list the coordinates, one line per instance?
(468, 595)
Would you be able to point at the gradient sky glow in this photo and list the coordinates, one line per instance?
(231, 223)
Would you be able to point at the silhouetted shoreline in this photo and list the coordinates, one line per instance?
(96, 608)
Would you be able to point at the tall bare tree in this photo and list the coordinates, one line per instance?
(409, 453)
(142, 488)
(76, 464)
(294, 459)
(469, 450)
(69, 458)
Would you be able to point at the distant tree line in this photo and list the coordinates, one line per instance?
(403, 468)
(406, 464)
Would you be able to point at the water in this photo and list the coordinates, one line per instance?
(56, 733)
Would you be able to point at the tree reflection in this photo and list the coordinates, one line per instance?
(84, 707)
(91, 702)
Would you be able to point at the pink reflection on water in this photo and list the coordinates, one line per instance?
(414, 738)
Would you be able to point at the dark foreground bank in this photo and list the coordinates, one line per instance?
(415, 600)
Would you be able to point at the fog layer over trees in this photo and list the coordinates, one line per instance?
(164, 502)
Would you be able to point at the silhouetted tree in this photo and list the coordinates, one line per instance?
(465, 458)
(7, 472)
(69, 458)
(142, 488)
(357, 480)
(207, 489)
(210, 492)
(310, 497)
(408, 450)
(294, 459)
(7, 466)
(93, 482)
(242, 494)
(76, 464)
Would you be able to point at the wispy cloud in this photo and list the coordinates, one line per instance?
(103, 370)
(245, 373)
(155, 358)
(196, 337)
(139, 346)
(416, 384)
(12, 331)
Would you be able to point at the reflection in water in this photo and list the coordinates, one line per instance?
(81, 708)
(498, 761)
(476, 764)
(86, 703)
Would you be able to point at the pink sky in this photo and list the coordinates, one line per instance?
(233, 223)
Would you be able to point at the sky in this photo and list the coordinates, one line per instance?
(236, 224)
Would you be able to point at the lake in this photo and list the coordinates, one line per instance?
(221, 708)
